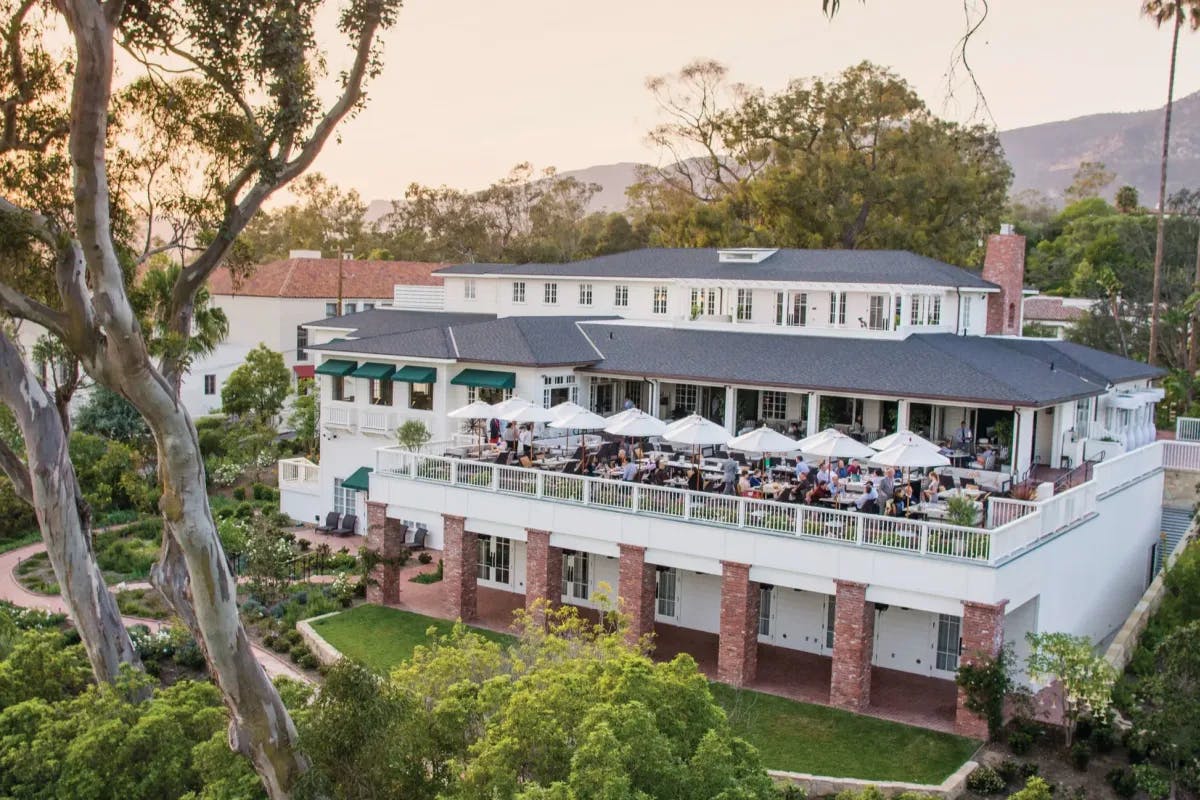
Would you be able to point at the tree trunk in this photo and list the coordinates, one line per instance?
(1159, 244)
(53, 491)
(1194, 346)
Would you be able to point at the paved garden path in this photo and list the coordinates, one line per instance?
(12, 591)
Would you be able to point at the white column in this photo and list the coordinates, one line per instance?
(730, 409)
(1064, 418)
(902, 410)
(652, 405)
(1023, 455)
(814, 413)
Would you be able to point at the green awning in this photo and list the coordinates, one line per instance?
(485, 379)
(374, 371)
(415, 374)
(336, 366)
(358, 481)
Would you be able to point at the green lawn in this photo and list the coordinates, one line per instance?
(383, 637)
(792, 736)
(800, 737)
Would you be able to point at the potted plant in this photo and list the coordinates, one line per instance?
(961, 511)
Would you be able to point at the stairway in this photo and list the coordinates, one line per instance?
(1175, 523)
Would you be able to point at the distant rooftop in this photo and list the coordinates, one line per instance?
(318, 278)
(1056, 309)
(760, 264)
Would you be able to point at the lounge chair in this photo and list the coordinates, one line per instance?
(331, 523)
(349, 523)
(418, 538)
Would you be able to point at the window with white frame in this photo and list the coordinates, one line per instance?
(621, 295)
(488, 394)
(1083, 417)
(774, 405)
(745, 305)
(666, 592)
(380, 392)
(766, 609)
(899, 314)
(585, 294)
(660, 300)
(780, 308)
(343, 389)
(602, 395)
(933, 313)
(575, 581)
(559, 389)
(331, 309)
(914, 312)
(949, 642)
(349, 308)
(877, 314)
(210, 384)
(420, 396)
(966, 314)
(830, 621)
(685, 397)
(518, 292)
(368, 306)
(301, 343)
(799, 309)
(469, 289)
(550, 293)
(495, 555)
(837, 308)
(345, 501)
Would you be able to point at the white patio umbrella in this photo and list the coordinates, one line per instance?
(763, 440)
(509, 408)
(565, 409)
(900, 437)
(635, 423)
(581, 420)
(832, 443)
(909, 454)
(696, 431)
(474, 411)
(532, 413)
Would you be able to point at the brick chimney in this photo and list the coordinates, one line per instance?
(1004, 265)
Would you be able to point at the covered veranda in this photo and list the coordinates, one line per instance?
(898, 696)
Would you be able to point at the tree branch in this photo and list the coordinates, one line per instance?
(17, 472)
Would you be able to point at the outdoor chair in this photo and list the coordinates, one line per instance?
(349, 523)
(419, 534)
(331, 523)
(570, 466)
(663, 447)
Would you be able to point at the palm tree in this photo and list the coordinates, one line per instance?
(1161, 12)
(152, 299)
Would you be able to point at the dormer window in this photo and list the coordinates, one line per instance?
(745, 255)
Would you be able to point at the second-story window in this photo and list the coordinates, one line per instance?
(301, 343)
(343, 389)
(550, 293)
(745, 305)
(933, 312)
(469, 289)
(518, 291)
(780, 308)
(799, 309)
(368, 306)
(837, 308)
(585, 294)
(420, 396)
(774, 405)
(331, 309)
(621, 296)
(878, 315)
(660, 300)
(914, 314)
(381, 392)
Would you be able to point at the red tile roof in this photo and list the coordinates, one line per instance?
(318, 278)
(1052, 309)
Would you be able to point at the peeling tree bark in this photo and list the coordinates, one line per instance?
(50, 486)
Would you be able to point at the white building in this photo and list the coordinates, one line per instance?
(816, 338)
(1057, 313)
(271, 305)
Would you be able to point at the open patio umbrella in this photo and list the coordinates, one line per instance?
(507, 409)
(581, 420)
(474, 411)
(565, 409)
(832, 443)
(916, 452)
(763, 440)
(623, 415)
(696, 431)
(900, 437)
(634, 423)
(532, 413)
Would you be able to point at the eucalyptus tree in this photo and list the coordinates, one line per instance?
(257, 123)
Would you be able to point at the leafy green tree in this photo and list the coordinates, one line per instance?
(1127, 199)
(305, 418)
(1085, 678)
(152, 298)
(1167, 720)
(258, 386)
(323, 218)
(852, 162)
(41, 668)
(569, 711)
(413, 435)
(105, 413)
(1090, 180)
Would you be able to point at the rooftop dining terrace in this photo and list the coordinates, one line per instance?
(1005, 527)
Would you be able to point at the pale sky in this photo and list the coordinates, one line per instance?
(472, 87)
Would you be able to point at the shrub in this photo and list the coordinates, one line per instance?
(308, 661)
(269, 640)
(280, 645)
(1122, 781)
(1080, 755)
(1152, 781)
(986, 683)
(260, 491)
(1020, 742)
(985, 780)
(298, 652)
(1103, 738)
(425, 557)
(1013, 771)
(239, 493)
(1035, 789)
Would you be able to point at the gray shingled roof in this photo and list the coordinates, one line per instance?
(840, 266)
(933, 366)
(1095, 365)
(518, 341)
(383, 320)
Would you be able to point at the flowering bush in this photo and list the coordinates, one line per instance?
(267, 560)
(226, 472)
(342, 590)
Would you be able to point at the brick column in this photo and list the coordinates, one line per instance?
(635, 590)
(386, 537)
(853, 643)
(543, 570)
(982, 637)
(460, 553)
(737, 649)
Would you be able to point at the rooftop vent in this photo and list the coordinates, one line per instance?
(745, 255)
(304, 253)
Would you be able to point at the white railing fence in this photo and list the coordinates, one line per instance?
(1187, 429)
(298, 470)
(376, 420)
(341, 416)
(1181, 455)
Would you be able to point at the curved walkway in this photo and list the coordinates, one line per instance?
(12, 591)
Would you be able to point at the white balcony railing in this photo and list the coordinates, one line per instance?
(376, 420)
(1187, 429)
(1181, 455)
(299, 475)
(338, 416)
